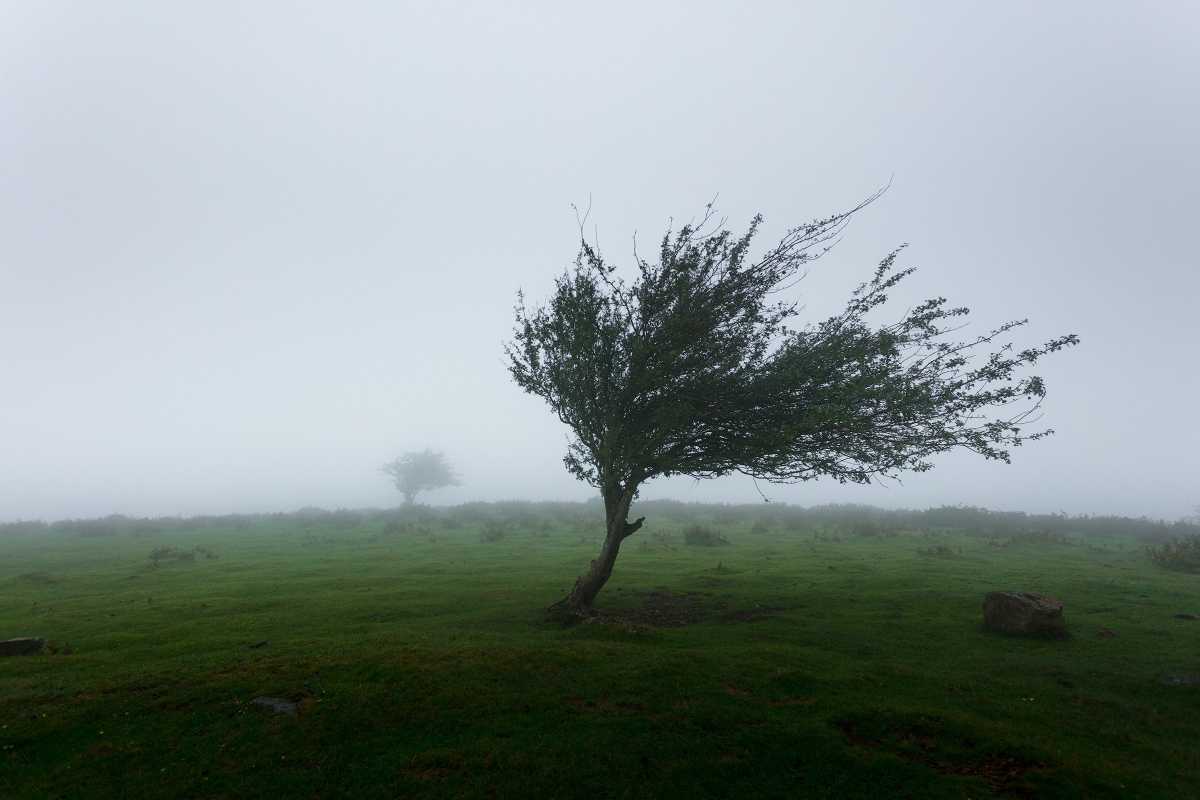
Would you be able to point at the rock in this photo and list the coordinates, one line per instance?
(1106, 633)
(1024, 614)
(278, 705)
(21, 647)
(1187, 616)
(1181, 680)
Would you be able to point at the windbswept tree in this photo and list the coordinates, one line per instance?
(692, 366)
(418, 471)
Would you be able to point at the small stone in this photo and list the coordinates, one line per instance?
(1106, 633)
(1187, 616)
(1181, 680)
(1024, 614)
(258, 645)
(278, 705)
(21, 647)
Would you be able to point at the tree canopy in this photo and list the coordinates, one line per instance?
(693, 366)
(420, 470)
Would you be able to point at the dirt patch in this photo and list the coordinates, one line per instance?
(756, 614)
(792, 701)
(434, 765)
(286, 706)
(602, 705)
(932, 742)
(662, 608)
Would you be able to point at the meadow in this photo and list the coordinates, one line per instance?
(835, 653)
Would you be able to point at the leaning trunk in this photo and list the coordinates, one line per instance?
(578, 603)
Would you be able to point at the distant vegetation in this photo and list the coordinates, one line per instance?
(1177, 554)
(1014, 527)
(420, 471)
(700, 536)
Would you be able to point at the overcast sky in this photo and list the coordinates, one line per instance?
(251, 251)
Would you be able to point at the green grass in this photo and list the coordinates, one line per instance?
(424, 668)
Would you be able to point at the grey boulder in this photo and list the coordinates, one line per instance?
(1024, 614)
(21, 647)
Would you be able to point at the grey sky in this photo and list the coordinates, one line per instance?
(249, 252)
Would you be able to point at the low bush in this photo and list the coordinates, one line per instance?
(493, 532)
(1040, 537)
(160, 554)
(865, 527)
(406, 528)
(1182, 555)
(700, 536)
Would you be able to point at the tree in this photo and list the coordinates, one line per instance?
(417, 471)
(692, 368)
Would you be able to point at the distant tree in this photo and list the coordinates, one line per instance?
(693, 369)
(418, 471)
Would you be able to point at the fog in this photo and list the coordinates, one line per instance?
(250, 253)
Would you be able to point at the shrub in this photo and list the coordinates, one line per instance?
(1040, 537)
(1182, 555)
(166, 553)
(493, 532)
(397, 528)
(939, 551)
(699, 536)
(23, 527)
(160, 554)
(865, 527)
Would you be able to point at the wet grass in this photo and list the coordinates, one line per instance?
(790, 663)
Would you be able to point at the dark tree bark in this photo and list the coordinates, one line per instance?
(578, 602)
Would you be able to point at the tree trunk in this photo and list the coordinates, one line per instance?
(578, 603)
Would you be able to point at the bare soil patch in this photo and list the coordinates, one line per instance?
(756, 614)
(929, 741)
(602, 705)
(662, 608)
(792, 701)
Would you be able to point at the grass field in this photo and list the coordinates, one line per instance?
(796, 661)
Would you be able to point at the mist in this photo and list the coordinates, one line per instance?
(250, 254)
